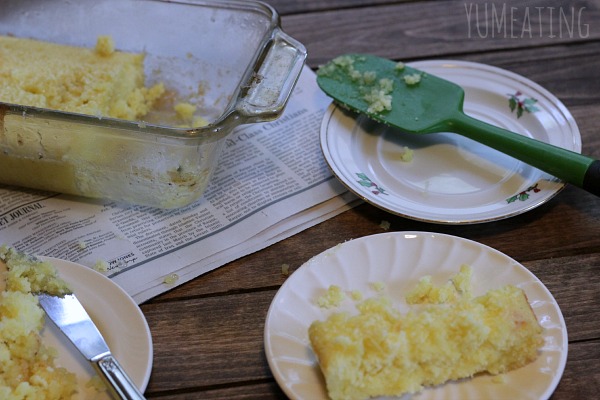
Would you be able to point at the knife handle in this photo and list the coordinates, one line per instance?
(119, 384)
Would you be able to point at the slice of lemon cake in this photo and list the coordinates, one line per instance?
(382, 352)
(27, 366)
(100, 81)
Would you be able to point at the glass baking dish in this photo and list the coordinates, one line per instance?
(229, 57)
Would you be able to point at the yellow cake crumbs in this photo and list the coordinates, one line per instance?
(185, 112)
(97, 384)
(382, 352)
(356, 295)
(171, 279)
(199, 121)
(369, 77)
(407, 154)
(462, 280)
(285, 269)
(101, 266)
(101, 82)
(385, 225)
(377, 93)
(425, 292)
(333, 297)
(379, 97)
(379, 287)
(412, 79)
(27, 367)
(105, 45)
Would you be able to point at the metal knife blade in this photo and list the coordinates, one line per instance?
(71, 318)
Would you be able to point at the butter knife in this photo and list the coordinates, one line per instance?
(71, 318)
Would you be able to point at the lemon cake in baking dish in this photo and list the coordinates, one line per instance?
(27, 366)
(382, 352)
(100, 81)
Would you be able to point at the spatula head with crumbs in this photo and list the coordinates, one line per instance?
(391, 92)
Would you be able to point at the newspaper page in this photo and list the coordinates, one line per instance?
(270, 183)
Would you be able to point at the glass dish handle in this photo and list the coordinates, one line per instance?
(271, 85)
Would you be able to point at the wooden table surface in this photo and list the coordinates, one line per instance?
(208, 333)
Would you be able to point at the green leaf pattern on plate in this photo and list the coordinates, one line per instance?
(365, 181)
(516, 102)
(524, 195)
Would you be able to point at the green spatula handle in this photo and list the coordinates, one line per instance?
(566, 165)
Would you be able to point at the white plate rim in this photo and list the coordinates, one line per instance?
(533, 292)
(94, 291)
(336, 165)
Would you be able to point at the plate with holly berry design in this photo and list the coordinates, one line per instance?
(444, 177)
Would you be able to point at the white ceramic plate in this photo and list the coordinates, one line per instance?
(452, 179)
(399, 260)
(118, 318)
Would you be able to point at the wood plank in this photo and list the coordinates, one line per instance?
(581, 379)
(248, 391)
(286, 7)
(568, 72)
(588, 121)
(215, 340)
(415, 30)
(573, 281)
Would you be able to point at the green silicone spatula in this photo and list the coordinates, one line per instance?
(417, 102)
